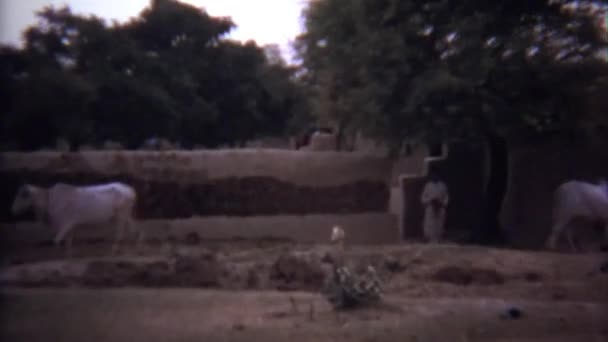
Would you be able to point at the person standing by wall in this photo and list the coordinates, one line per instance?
(435, 199)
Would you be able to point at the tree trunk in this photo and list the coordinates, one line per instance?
(490, 231)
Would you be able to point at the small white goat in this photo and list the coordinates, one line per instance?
(578, 200)
(64, 207)
(337, 236)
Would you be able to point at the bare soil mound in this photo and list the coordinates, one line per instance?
(410, 270)
(150, 315)
(461, 276)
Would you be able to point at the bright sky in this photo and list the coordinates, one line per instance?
(265, 21)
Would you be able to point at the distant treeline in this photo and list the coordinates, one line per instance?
(168, 73)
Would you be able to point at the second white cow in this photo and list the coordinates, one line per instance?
(577, 200)
(64, 207)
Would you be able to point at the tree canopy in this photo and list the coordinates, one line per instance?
(452, 70)
(170, 72)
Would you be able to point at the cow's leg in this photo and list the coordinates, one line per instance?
(134, 231)
(120, 229)
(136, 235)
(140, 236)
(63, 231)
(570, 237)
(69, 241)
(604, 245)
(556, 231)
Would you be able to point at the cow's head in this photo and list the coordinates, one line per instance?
(604, 186)
(24, 199)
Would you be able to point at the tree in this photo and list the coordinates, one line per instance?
(170, 72)
(498, 72)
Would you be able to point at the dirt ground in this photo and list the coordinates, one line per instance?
(431, 293)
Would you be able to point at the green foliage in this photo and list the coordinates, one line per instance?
(448, 69)
(170, 72)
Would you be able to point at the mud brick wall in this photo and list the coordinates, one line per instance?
(229, 197)
(200, 190)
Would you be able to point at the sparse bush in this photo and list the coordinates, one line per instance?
(345, 290)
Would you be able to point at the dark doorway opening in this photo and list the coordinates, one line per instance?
(435, 150)
(490, 231)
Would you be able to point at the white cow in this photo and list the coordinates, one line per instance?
(577, 200)
(64, 207)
